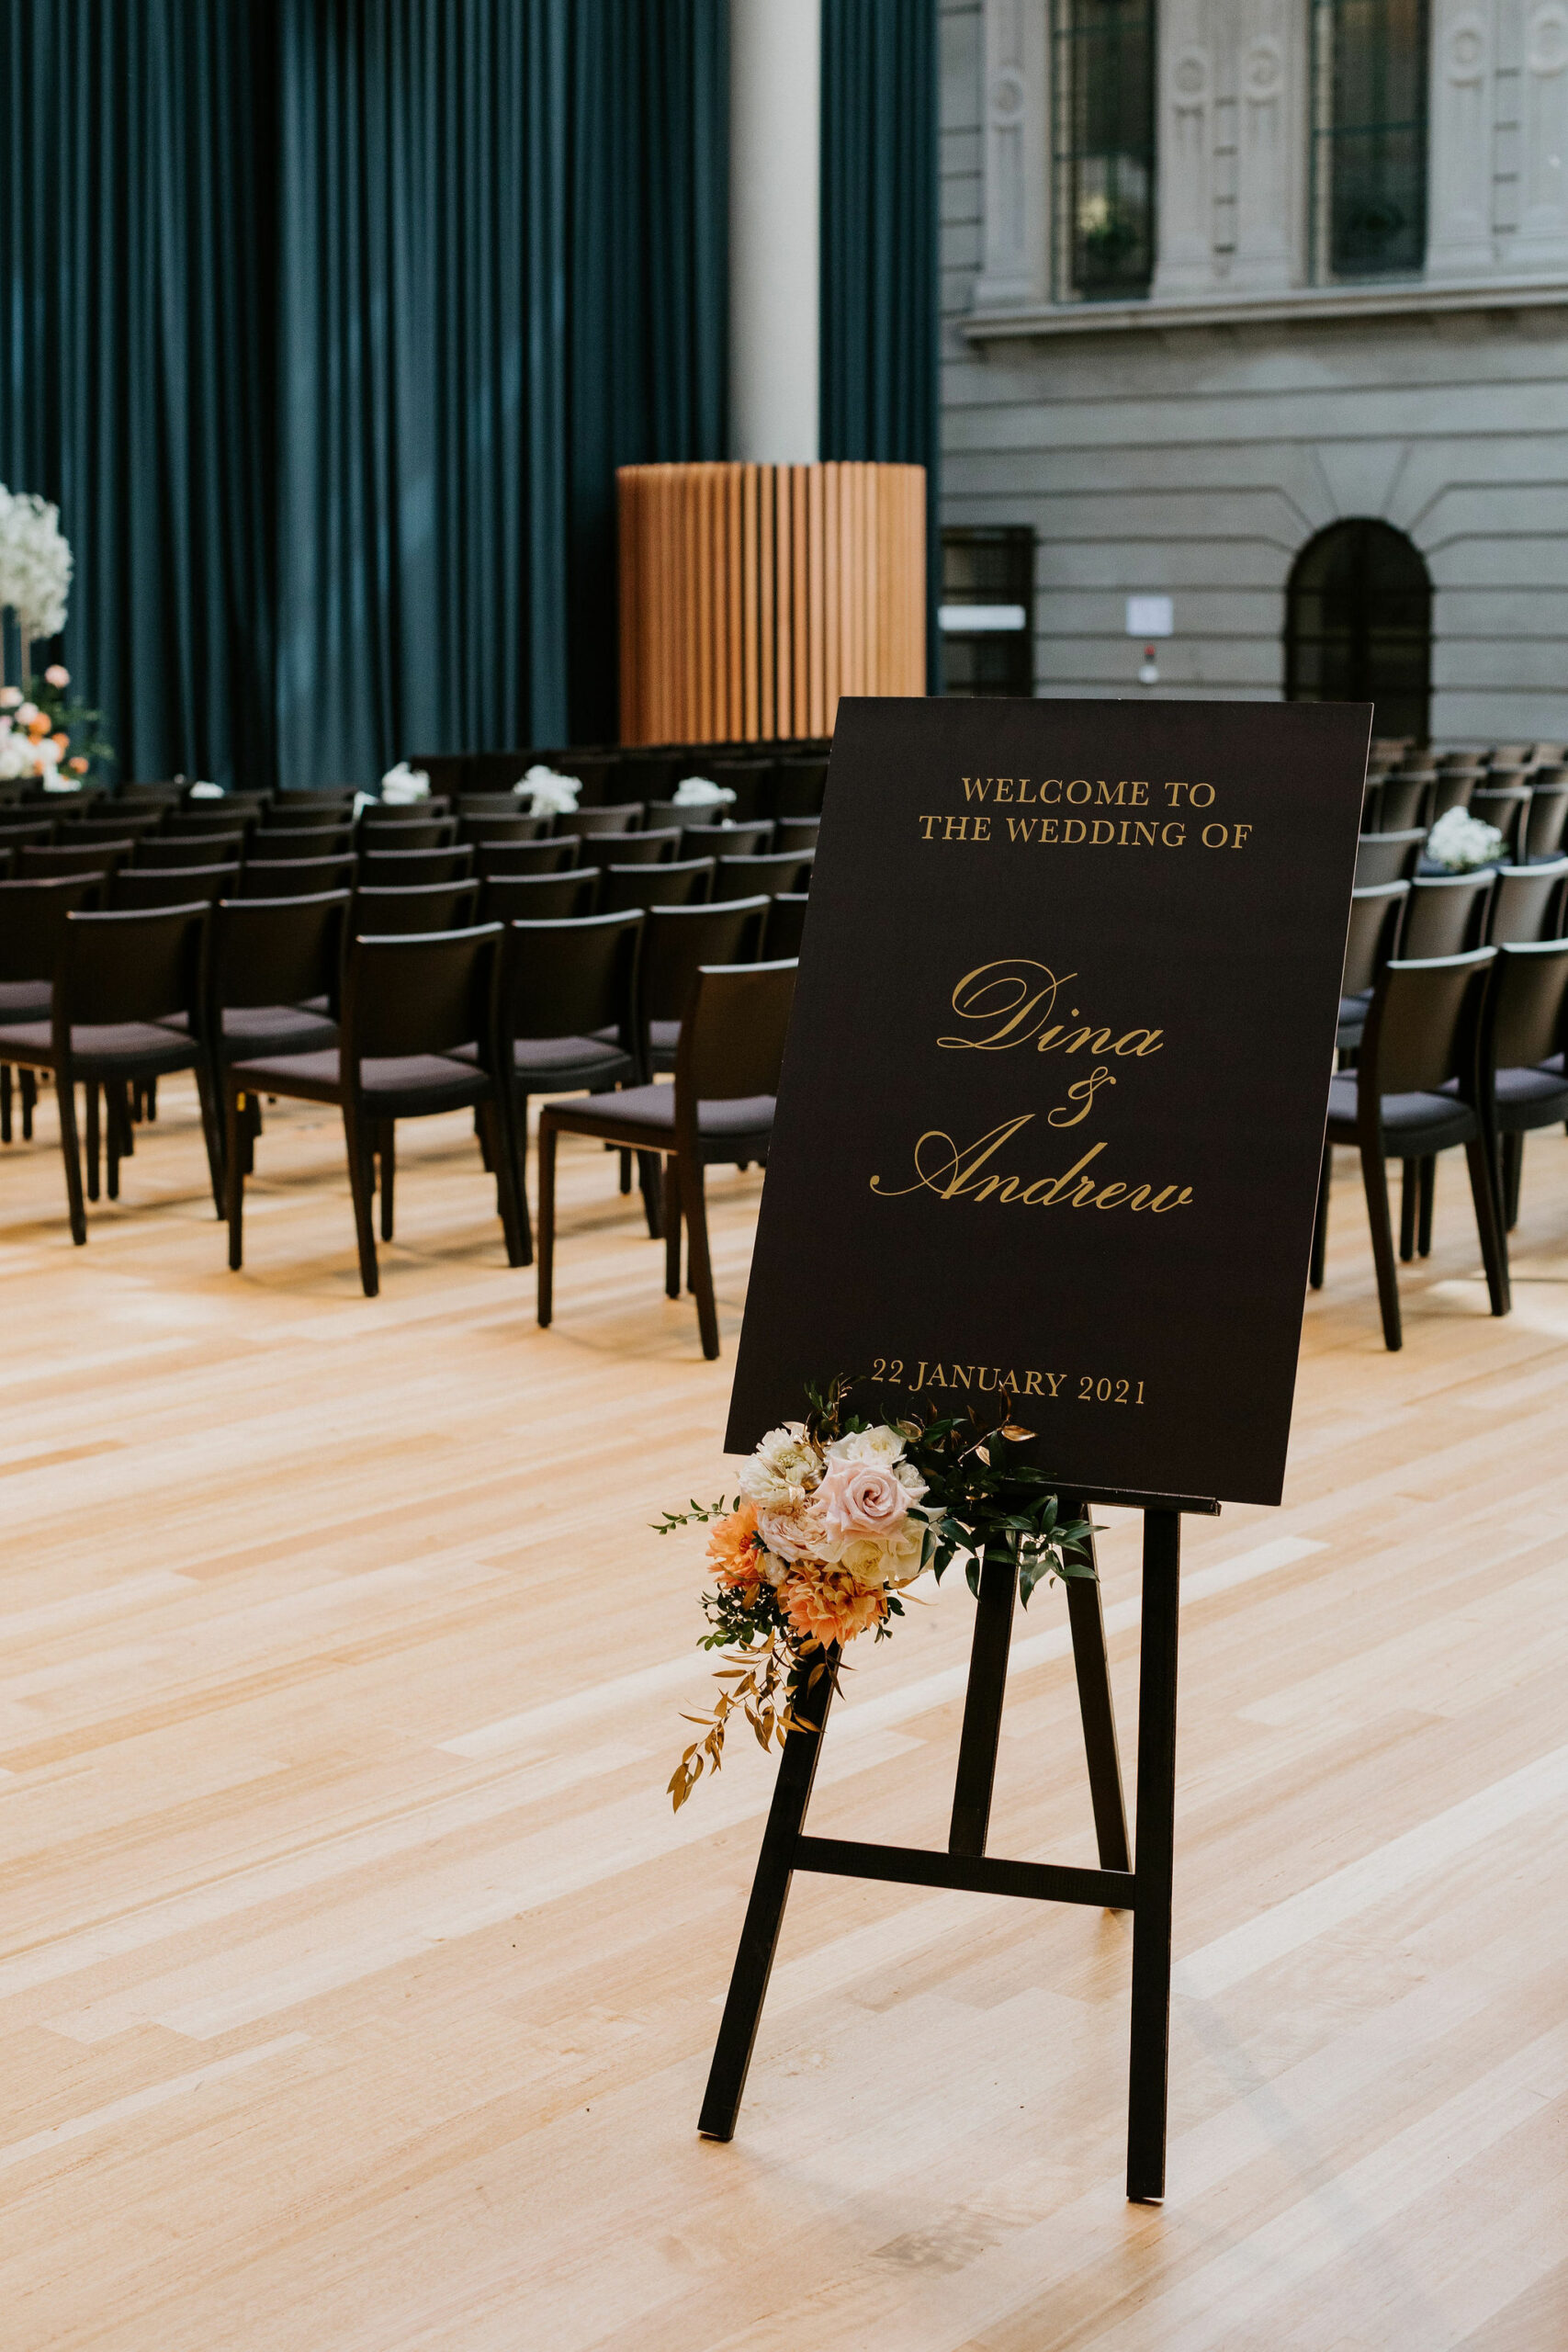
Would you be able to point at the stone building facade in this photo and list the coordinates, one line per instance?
(1220, 276)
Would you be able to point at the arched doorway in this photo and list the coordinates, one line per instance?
(1359, 625)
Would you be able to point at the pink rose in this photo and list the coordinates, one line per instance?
(861, 1498)
(57, 674)
(792, 1531)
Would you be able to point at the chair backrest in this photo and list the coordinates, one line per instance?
(166, 850)
(33, 861)
(678, 940)
(634, 849)
(653, 772)
(1527, 903)
(611, 816)
(302, 841)
(482, 828)
(1420, 1029)
(174, 885)
(507, 807)
(388, 832)
(1453, 789)
(42, 830)
(1510, 754)
(1445, 915)
(291, 811)
(788, 869)
(682, 882)
(570, 979)
(1545, 822)
(1387, 857)
(226, 816)
(33, 923)
(552, 856)
(798, 787)
(417, 906)
(131, 966)
(752, 780)
(786, 926)
(149, 796)
(287, 877)
(726, 840)
(1527, 1006)
(1403, 802)
(430, 993)
(129, 824)
(732, 1035)
(539, 898)
(1508, 810)
(444, 769)
(1375, 914)
(495, 771)
(796, 833)
(1550, 772)
(275, 951)
(394, 869)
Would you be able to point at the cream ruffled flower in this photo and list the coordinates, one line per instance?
(782, 1468)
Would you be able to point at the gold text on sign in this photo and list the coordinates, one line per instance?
(1012, 998)
(957, 1171)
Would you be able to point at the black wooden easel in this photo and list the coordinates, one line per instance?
(1116, 1885)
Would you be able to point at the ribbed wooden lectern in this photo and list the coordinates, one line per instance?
(753, 596)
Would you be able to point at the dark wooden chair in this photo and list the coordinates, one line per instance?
(569, 1016)
(287, 877)
(270, 984)
(174, 885)
(37, 833)
(32, 936)
(1528, 902)
(166, 850)
(271, 842)
(129, 824)
(1387, 857)
(1453, 789)
(610, 817)
(1374, 933)
(290, 810)
(776, 870)
(539, 898)
(551, 856)
(389, 832)
(1545, 824)
(505, 808)
(419, 1036)
(720, 1108)
(798, 787)
(646, 848)
(787, 925)
(752, 780)
(1507, 808)
(1403, 802)
(119, 980)
(1445, 915)
(726, 840)
(681, 882)
(796, 833)
(1524, 1082)
(676, 944)
(396, 869)
(226, 817)
(483, 829)
(1416, 1092)
(149, 796)
(421, 905)
(36, 864)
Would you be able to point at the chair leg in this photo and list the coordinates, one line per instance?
(699, 1265)
(545, 1284)
(651, 1184)
(30, 1103)
(360, 1142)
(495, 1141)
(1512, 1173)
(236, 1125)
(1409, 1194)
(1489, 1225)
(66, 1093)
(1428, 1194)
(519, 1110)
(5, 1102)
(626, 1172)
(91, 1090)
(151, 1099)
(1374, 1176)
(114, 1092)
(1320, 1219)
(386, 1146)
(672, 1228)
(482, 1129)
(208, 1094)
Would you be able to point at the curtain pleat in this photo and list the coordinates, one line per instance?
(327, 322)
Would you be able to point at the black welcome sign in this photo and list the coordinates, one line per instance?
(1052, 1112)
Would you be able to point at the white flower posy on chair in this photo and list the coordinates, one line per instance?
(1462, 843)
(550, 795)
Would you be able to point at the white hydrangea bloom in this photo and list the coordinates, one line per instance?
(701, 792)
(35, 563)
(1461, 844)
(550, 795)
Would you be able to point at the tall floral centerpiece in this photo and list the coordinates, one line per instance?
(44, 735)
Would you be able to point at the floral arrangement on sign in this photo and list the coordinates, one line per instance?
(836, 1518)
(43, 737)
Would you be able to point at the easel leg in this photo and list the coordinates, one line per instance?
(764, 1916)
(1149, 2068)
(982, 1709)
(1086, 1615)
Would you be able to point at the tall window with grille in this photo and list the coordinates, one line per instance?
(1369, 146)
(1103, 148)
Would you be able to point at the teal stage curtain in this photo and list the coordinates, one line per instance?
(327, 322)
(880, 390)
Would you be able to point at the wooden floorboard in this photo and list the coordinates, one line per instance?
(357, 1985)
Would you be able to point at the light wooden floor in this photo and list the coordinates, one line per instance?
(358, 1987)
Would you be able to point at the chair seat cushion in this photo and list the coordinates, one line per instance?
(649, 1110)
(132, 1048)
(1532, 1098)
(398, 1086)
(25, 1000)
(664, 1036)
(269, 1028)
(557, 1065)
(1413, 1124)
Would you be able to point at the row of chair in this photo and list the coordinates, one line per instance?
(1461, 1049)
(287, 997)
(1444, 914)
(1531, 815)
(769, 779)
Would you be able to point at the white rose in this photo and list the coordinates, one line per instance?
(782, 1467)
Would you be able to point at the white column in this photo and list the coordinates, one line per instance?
(1542, 240)
(1458, 183)
(775, 110)
(1185, 146)
(1017, 254)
